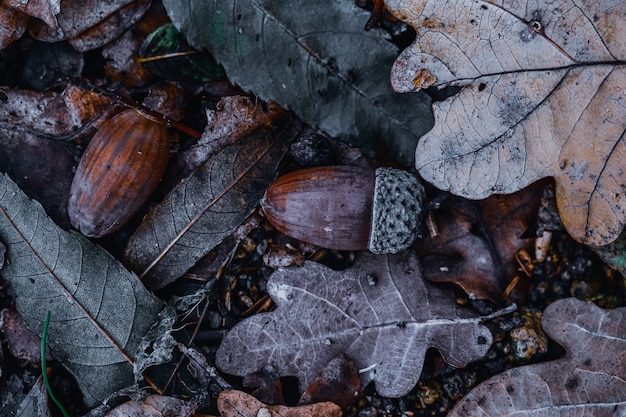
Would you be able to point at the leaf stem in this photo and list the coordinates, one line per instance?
(44, 373)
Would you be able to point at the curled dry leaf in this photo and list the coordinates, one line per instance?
(477, 242)
(380, 312)
(208, 206)
(589, 380)
(237, 404)
(543, 96)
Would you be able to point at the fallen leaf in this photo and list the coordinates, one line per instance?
(89, 24)
(589, 380)
(99, 310)
(477, 242)
(543, 95)
(12, 27)
(121, 55)
(21, 342)
(238, 404)
(315, 59)
(34, 130)
(337, 382)
(233, 118)
(380, 313)
(154, 406)
(206, 207)
(35, 404)
(45, 11)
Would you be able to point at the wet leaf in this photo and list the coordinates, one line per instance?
(313, 58)
(477, 241)
(206, 207)
(589, 380)
(380, 312)
(99, 310)
(543, 95)
(237, 404)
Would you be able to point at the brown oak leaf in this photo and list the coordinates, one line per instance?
(542, 95)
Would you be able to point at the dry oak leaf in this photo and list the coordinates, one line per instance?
(543, 96)
(381, 313)
(589, 380)
(237, 404)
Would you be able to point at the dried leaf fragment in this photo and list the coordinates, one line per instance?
(543, 96)
(237, 404)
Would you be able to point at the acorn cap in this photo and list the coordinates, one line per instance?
(397, 211)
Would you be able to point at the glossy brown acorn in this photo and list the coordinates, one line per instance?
(347, 208)
(118, 172)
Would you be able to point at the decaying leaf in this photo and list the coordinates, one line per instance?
(233, 118)
(34, 129)
(13, 25)
(326, 69)
(89, 24)
(380, 312)
(35, 404)
(99, 310)
(477, 242)
(589, 380)
(337, 382)
(237, 404)
(154, 406)
(543, 96)
(206, 207)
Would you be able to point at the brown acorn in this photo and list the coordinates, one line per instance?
(347, 208)
(118, 172)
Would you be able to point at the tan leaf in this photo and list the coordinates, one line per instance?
(543, 95)
(237, 404)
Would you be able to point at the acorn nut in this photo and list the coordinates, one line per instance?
(118, 172)
(347, 208)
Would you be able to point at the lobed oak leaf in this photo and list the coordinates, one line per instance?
(589, 380)
(380, 313)
(543, 95)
